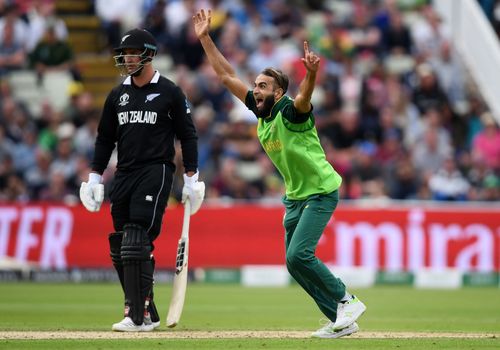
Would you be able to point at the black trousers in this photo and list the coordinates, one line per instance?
(140, 197)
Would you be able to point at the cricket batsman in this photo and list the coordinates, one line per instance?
(142, 117)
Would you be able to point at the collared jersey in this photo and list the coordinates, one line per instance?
(144, 122)
(291, 141)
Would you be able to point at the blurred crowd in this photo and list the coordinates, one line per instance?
(397, 113)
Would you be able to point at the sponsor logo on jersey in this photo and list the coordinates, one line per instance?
(151, 97)
(149, 198)
(124, 99)
(137, 117)
(272, 146)
(187, 107)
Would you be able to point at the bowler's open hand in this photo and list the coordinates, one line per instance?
(202, 22)
(310, 60)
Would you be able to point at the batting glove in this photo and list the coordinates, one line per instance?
(92, 193)
(194, 190)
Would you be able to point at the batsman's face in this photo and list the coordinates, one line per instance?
(265, 94)
(132, 58)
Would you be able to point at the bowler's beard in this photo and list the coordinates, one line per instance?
(267, 105)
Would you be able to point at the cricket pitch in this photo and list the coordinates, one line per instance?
(230, 335)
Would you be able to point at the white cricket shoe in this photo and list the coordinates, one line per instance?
(127, 325)
(328, 331)
(147, 321)
(348, 312)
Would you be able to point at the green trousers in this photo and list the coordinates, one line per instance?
(304, 223)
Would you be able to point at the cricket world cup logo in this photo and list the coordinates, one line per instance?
(124, 99)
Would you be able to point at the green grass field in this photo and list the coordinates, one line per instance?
(66, 308)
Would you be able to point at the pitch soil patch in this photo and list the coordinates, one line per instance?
(228, 334)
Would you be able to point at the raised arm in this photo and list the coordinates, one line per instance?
(302, 101)
(219, 63)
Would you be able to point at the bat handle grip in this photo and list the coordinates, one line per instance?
(187, 205)
(187, 216)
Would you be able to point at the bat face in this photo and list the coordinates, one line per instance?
(181, 272)
(179, 285)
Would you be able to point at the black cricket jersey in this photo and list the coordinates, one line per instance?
(143, 122)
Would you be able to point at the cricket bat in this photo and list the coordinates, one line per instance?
(181, 272)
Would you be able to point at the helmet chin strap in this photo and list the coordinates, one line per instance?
(137, 72)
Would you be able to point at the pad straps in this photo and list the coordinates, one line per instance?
(137, 269)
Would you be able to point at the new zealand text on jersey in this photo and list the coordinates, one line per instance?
(141, 117)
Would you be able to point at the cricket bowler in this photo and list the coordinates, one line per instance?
(288, 135)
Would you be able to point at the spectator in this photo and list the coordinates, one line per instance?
(402, 179)
(24, 152)
(18, 28)
(350, 87)
(365, 164)
(179, 12)
(433, 119)
(86, 134)
(117, 16)
(448, 183)
(41, 15)
(58, 190)
(47, 137)
(428, 93)
(65, 161)
(156, 23)
(486, 144)
(254, 29)
(365, 37)
(53, 54)
(12, 52)
(373, 99)
(71, 111)
(390, 148)
(15, 190)
(473, 119)
(14, 118)
(428, 155)
(203, 117)
(346, 131)
(428, 34)
(188, 51)
(6, 170)
(396, 37)
(80, 106)
(268, 53)
(6, 145)
(490, 190)
(450, 74)
(456, 127)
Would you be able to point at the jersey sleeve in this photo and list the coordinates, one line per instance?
(291, 114)
(106, 136)
(185, 130)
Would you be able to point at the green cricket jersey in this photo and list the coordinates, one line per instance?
(295, 150)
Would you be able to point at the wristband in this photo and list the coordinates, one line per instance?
(94, 178)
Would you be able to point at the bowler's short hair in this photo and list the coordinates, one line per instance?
(279, 77)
